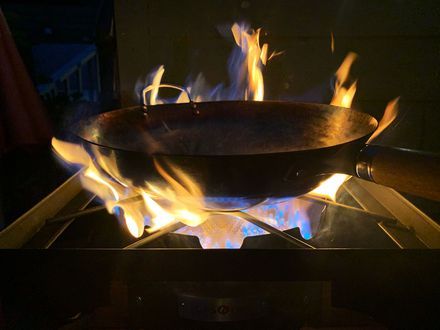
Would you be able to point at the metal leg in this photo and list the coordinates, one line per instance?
(165, 230)
(90, 210)
(378, 217)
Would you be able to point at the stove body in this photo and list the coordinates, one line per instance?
(374, 264)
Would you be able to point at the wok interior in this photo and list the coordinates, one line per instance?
(227, 128)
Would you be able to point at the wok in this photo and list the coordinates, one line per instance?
(251, 149)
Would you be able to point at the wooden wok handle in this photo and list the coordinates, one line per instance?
(405, 170)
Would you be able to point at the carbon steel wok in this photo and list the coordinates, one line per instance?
(252, 149)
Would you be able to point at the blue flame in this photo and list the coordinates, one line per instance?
(229, 231)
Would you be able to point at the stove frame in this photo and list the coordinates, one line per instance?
(405, 224)
(86, 276)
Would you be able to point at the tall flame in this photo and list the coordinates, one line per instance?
(245, 64)
(388, 117)
(343, 95)
(255, 57)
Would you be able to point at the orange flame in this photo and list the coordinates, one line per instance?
(343, 96)
(184, 204)
(182, 200)
(388, 117)
(154, 206)
(330, 187)
(246, 69)
(249, 42)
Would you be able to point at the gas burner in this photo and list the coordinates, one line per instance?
(363, 215)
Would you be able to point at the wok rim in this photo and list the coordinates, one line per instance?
(78, 127)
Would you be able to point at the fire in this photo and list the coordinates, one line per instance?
(161, 206)
(255, 57)
(229, 231)
(388, 117)
(183, 204)
(330, 187)
(150, 207)
(157, 77)
(94, 180)
(343, 95)
(246, 65)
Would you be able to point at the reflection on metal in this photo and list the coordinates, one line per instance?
(380, 217)
(387, 202)
(401, 236)
(50, 232)
(25, 227)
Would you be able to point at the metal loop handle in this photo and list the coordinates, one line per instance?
(151, 87)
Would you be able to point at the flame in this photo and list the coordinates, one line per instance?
(330, 187)
(255, 57)
(181, 200)
(152, 207)
(183, 204)
(245, 73)
(388, 117)
(101, 185)
(157, 77)
(229, 231)
(343, 95)
(332, 42)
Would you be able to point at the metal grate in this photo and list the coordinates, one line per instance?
(403, 224)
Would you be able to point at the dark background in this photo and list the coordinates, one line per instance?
(398, 43)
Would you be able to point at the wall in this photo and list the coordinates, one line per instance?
(398, 43)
